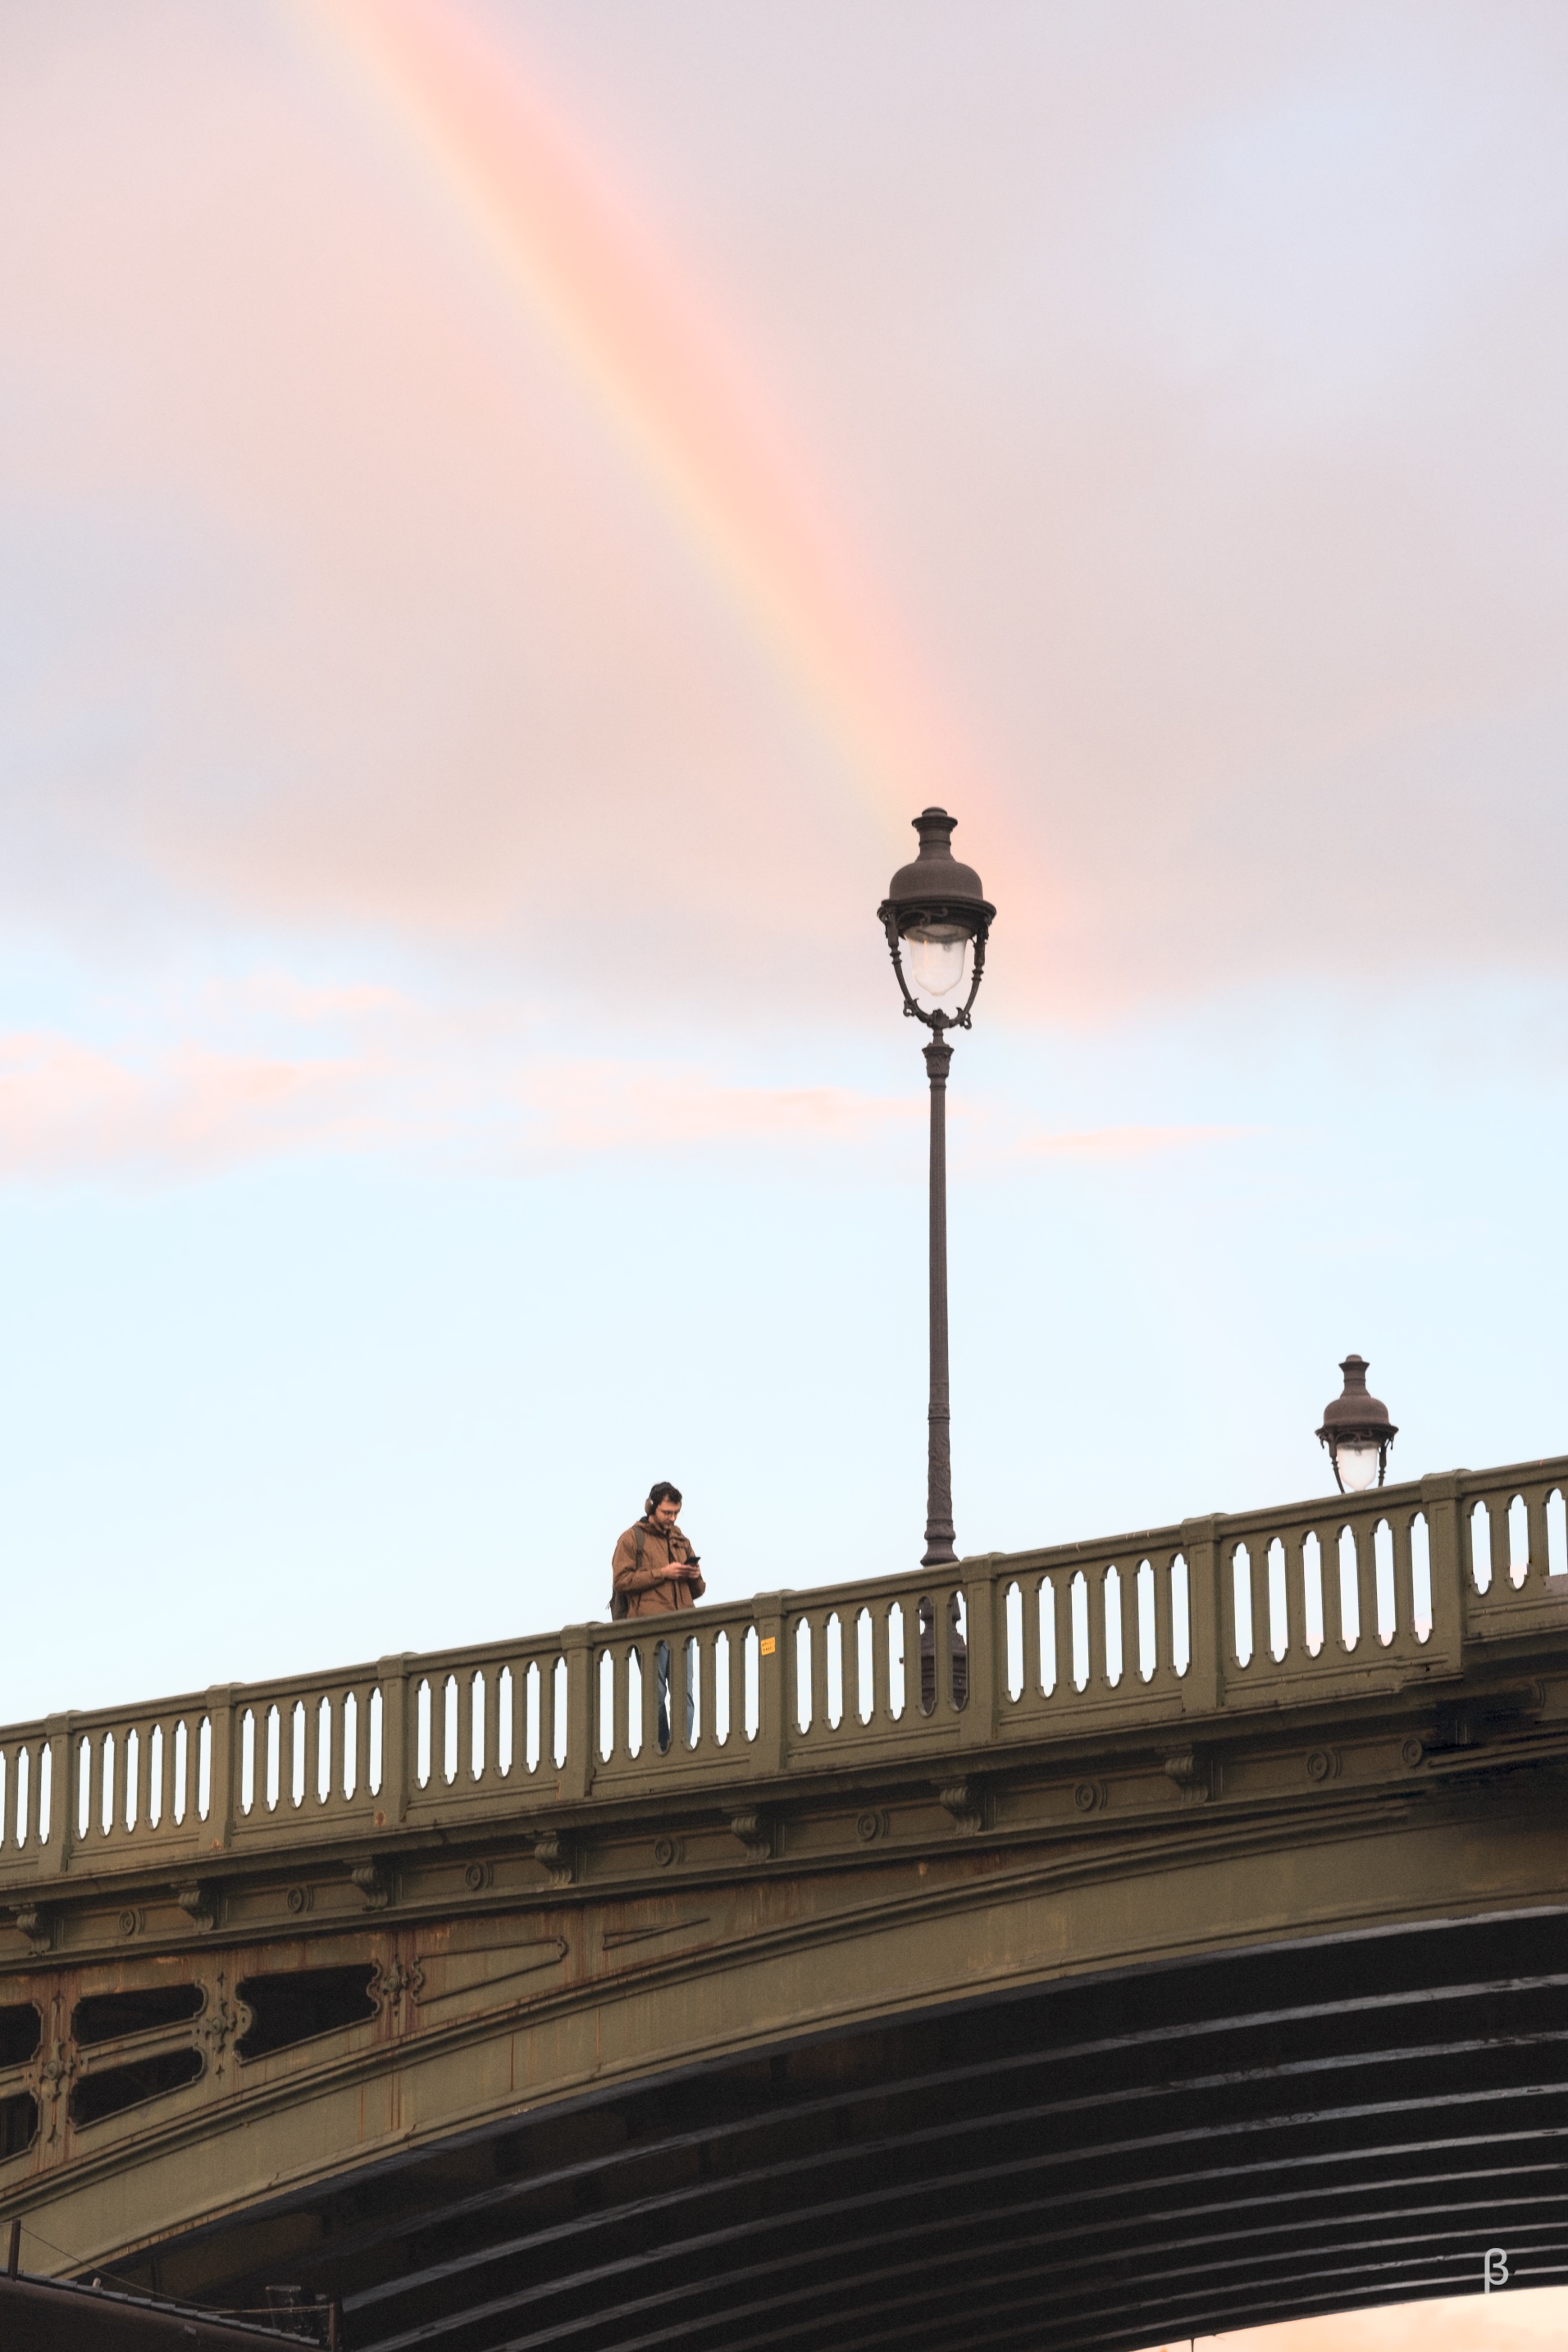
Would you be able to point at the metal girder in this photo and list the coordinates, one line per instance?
(1066, 2175)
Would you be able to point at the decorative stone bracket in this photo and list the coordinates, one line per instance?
(755, 1832)
(558, 1852)
(1193, 1775)
(197, 1898)
(965, 1800)
(373, 1879)
(38, 1927)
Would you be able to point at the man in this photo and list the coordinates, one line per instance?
(654, 1570)
(654, 1567)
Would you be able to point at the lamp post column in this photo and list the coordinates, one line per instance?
(938, 1547)
(936, 913)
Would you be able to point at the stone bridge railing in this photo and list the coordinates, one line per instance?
(1216, 1617)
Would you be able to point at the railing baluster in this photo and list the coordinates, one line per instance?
(363, 1694)
(1404, 1644)
(470, 1726)
(137, 1785)
(312, 1752)
(1371, 1636)
(1297, 1653)
(1350, 1630)
(1165, 1621)
(693, 1717)
(1095, 1596)
(103, 1764)
(333, 1763)
(647, 1652)
(623, 1702)
(1535, 1518)
(1256, 1554)
(817, 1624)
(1113, 1587)
(490, 1748)
(736, 1743)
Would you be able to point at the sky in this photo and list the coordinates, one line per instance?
(1529, 2319)
(508, 508)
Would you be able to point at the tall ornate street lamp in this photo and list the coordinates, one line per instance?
(1357, 1432)
(937, 918)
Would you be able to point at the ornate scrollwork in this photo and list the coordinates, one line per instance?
(393, 1979)
(50, 2082)
(221, 2023)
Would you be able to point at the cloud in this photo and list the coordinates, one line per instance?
(460, 1084)
(607, 1106)
(67, 1110)
(340, 614)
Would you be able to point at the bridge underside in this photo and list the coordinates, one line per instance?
(1107, 2161)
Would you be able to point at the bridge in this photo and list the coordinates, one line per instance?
(1075, 1948)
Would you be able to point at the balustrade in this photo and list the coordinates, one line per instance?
(1217, 1615)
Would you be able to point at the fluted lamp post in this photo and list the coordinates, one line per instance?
(1357, 1432)
(937, 918)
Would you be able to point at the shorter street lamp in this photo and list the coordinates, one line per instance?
(1357, 1432)
(937, 918)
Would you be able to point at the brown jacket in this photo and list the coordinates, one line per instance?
(644, 1587)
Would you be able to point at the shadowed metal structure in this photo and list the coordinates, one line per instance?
(1179, 2151)
(1075, 1948)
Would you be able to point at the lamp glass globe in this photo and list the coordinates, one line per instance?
(936, 960)
(1357, 1466)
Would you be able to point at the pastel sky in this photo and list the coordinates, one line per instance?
(1527, 2319)
(507, 509)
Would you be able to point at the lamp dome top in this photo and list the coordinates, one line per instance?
(935, 881)
(1354, 1413)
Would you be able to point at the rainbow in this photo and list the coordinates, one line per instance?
(649, 349)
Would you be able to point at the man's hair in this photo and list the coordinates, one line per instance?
(663, 1492)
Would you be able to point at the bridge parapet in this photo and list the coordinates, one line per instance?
(1295, 1606)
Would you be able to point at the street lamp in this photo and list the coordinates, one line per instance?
(937, 918)
(1357, 1432)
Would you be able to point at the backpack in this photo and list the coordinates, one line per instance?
(620, 1602)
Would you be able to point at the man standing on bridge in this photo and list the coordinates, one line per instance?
(654, 1570)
